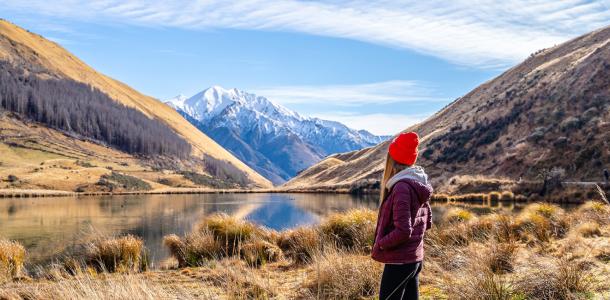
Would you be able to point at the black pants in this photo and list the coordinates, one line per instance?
(400, 282)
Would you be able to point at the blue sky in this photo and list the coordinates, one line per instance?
(375, 65)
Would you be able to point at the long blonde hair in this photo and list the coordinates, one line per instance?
(391, 168)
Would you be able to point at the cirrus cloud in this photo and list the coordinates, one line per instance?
(484, 34)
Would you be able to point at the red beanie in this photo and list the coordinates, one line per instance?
(403, 148)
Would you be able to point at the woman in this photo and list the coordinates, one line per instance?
(404, 216)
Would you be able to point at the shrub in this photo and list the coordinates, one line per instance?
(338, 275)
(123, 254)
(12, 256)
(259, 252)
(352, 230)
(127, 182)
(300, 244)
(458, 215)
(12, 178)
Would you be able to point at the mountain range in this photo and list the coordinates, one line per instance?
(270, 138)
(550, 111)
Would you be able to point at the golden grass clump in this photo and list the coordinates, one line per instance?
(338, 275)
(230, 231)
(541, 222)
(458, 215)
(12, 257)
(300, 244)
(500, 257)
(122, 254)
(588, 229)
(195, 249)
(562, 280)
(259, 252)
(352, 230)
(595, 211)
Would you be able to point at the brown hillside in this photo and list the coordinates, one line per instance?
(552, 110)
(31, 51)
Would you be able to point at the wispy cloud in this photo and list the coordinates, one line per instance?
(378, 123)
(485, 33)
(352, 94)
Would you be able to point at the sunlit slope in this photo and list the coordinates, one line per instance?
(552, 110)
(22, 47)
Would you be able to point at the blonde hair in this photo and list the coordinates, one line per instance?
(391, 168)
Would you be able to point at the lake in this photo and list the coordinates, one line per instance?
(49, 227)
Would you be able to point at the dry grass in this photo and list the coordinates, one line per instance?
(353, 230)
(493, 256)
(12, 257)
(195, 249)
(588, 229)
(300, 244)
(259, 252)
(560, 279)
(339, 275)
(458, 215)
(229, 231)
(122, 254)
(541, 222)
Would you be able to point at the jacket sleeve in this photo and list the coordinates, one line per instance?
(429, 221)
(401, 218)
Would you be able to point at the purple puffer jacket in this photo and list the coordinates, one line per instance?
(403, 218)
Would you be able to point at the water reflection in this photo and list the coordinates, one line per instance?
(48, 227)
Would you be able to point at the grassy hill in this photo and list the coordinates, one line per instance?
(32, 143)
(552, 110)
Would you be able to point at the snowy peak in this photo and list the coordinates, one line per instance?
(254, 128)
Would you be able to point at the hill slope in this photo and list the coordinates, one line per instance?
(552, 110)
(35, 55)
(272, 139)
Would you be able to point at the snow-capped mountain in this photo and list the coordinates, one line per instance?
(272, 139)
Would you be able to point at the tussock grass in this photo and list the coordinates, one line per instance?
(229, 231)
(595, 211)
(561, 279)
(480, 285)
(542, 221)
(300, 244)
(335, 274)
(458, 215)
(352, 230)
(259, 252)
(195, 249)
(500, 257)
(121, 254)
(12, 258)
(588, 229)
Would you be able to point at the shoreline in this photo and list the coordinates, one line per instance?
(25, 193)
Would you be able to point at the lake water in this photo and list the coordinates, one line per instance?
(49, 227)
